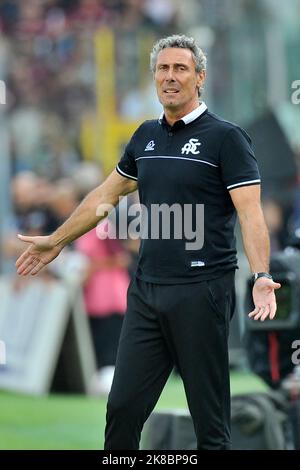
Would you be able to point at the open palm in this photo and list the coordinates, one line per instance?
(264, 299)
(40, 252)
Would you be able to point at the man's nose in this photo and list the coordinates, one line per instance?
(170, 75)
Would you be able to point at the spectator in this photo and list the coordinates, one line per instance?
(274, 220)
(105, 291)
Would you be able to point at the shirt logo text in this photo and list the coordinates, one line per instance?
(191, 147)
(150, 146)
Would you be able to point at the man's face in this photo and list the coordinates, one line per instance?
(176, 79)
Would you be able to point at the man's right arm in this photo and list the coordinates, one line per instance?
(42, 250)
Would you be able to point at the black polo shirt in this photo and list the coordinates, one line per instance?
(196, 161)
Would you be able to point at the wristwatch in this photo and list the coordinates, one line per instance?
(255, 276)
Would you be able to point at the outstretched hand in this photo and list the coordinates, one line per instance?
(263, 294)
(39, 253)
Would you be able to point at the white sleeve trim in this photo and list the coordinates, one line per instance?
(243, 183)
(125, 174)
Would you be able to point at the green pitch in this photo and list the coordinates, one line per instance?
(77, 422)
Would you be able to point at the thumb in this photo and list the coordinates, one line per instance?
(25, 238)
(276, 285)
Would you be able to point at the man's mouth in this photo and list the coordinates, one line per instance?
(171, 91)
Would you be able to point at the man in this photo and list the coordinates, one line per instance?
(181, 301)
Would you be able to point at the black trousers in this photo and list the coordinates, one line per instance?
(186, 325)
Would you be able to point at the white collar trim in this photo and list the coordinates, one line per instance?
(191, 116)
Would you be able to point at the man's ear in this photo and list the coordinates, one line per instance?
(201, 78)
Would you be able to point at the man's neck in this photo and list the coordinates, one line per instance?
(173, 115)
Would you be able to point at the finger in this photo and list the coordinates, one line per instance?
(29, 260)
(261, 311)
(273, 308)
(25, 238)
(39, 266)
(30, 267)
(266, 313)
(22, 258)
(257, 317)
(254, 312)
(277, 285)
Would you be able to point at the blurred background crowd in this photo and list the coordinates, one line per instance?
(55, 56)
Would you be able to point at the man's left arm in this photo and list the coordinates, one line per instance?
(246, 200)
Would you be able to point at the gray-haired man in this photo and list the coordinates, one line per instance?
(181, 300)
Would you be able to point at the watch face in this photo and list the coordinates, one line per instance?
(257, 275)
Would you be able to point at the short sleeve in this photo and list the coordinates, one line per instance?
(237, 160)
(127, 165)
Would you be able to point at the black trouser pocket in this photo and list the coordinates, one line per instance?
(221, 293)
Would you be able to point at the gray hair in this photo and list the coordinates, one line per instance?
(183, 42)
